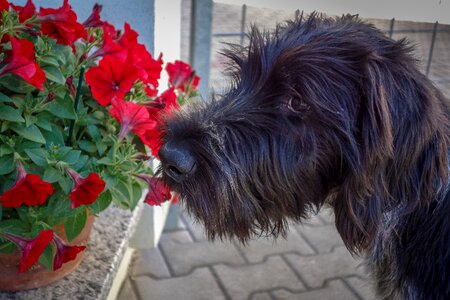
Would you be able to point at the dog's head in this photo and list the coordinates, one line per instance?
(309, 118)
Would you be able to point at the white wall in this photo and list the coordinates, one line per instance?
(413, 10)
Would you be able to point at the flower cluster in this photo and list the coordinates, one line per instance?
(80, 106)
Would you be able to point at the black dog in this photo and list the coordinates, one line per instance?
(325, 111)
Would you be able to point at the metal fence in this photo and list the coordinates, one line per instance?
(390, 32)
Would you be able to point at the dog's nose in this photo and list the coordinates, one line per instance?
(177, 161)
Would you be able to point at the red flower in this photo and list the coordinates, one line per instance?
(129, 37)
(164, 104)
(111, 79)
(28, 188)
(31, 249)
(110, 30)
(94, 19)
(158, 191)
(64, 253)
(85, 190)
(111, 48)
(181, 75)
(21, 61)
(4, 5)
(25, 12)
(132, 117)
(151, 68)
(61, 24)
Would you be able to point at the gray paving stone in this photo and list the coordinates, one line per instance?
(240, 282)
(326, 215)
(364, 288)
(181, 236)
(261, 296)
(149, 262)
(323, 238)
(257, 250)
(195, 228)
(315, 269)
(334, 290)
(126, 291)
(199, 285)
(184, 257)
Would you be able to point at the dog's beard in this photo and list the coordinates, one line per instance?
(246, 192)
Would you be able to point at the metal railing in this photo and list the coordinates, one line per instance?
(299, 14)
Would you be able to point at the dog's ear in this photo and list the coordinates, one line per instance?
(363, 192)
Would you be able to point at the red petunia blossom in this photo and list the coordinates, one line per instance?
(28, 188)
(31, 249)
(129, 37)
(85, 190)
(158, 191)
(4, 5)
(64, 253)
(132, 117)
(111, 79)
(25, 12)
(110, 30)
(157, 108)
(181, 75)
(61, 24)
(22, 62)
(94, 19)
(151, 68)
(111, 48)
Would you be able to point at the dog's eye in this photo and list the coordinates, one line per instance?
(297, 105)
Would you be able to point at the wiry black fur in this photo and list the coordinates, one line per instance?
(370, 139)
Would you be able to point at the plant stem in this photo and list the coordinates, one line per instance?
(76, 102)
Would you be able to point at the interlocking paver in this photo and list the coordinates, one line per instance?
(323, 238)
(181, 236)
(127, 292)
(316, 269)
(257, 250)
(149, 262)
(185, 257)
(240, 282)
(261, 296)
(364, 288)
(199, 285)
(334, 290)
(196, 229)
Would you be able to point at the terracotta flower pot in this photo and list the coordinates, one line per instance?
(38, 275)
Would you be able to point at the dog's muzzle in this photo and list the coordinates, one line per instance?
(177, 161)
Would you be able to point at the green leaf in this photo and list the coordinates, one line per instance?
(101, 147)
(102, 202)
(5, 149)
(80, 162)
(11, 114)
(16, 84)
(31, 133)
(62, 108)
(4, 98)
(75, 224)
(43, 121)
(137, 193)
(51, 175)
(38, 156)
(49, 60)
(46, 258)
(58, 209)
(54, 136)
(71, 157)
(105, 161)
(15, 226)
(94, 132)
(7, 247)
(7, 164)
(87, 146)
(66, 184)
(54, 74)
